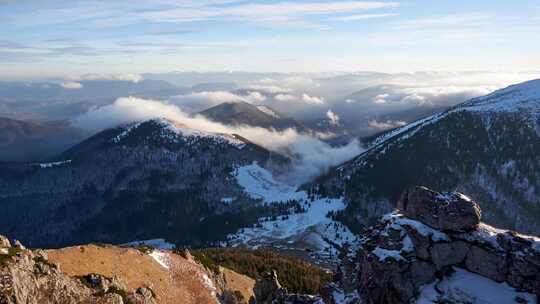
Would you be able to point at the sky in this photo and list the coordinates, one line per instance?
(64, 38)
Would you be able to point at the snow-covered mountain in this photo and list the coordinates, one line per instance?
(487, 147)
(152, 179)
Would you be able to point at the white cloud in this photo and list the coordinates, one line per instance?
(381, 98)
(333, 117)
(119, 77)
(312, 99)
(311, 156)
(362, 17)
(71, 85)
(202, 100)
(285, 97)
(266, 12)
(385, 125)
(269, 88)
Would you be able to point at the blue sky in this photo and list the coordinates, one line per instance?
(62, 38)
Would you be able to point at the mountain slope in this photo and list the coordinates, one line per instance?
(487, 147)
(34, 140)
(243, 113)
(153, 179)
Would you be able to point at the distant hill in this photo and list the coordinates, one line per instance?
(243, 113)
(36, 140)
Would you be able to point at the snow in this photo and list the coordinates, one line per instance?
(125, 132)
(523, 97)
(259, 183)
(384, 254)
(489, 235)
(175, 132)
(396, 221)
(154, 243)
(268, 111)
(312, 227)
(227, 200)
(162, 258)
(54, 164)
(466, 287)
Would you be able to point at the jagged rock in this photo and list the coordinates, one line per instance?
(267, 289)
(143, 295)
(404, 251)
(486, 263)
(442, 211)
(446, 254)
(4, 241)
(18, 244)
(28, 277)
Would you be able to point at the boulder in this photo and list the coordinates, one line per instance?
(429, 237)
(267, 289)
(451, 253)
(443, 211)
(4, 242)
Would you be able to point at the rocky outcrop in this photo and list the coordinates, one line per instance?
(428, 236)
(450, 211)
(27, 276)
(267, 290)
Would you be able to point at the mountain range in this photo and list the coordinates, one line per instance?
(487, 147)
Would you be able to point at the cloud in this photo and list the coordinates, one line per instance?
(362, 17)
(119, 77)
(285, 97)
(385, 125)
(333, 117)
(312, 99)
(289, 13)
(198, 101)
(71, 85)
(310, 156)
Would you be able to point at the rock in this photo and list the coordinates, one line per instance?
(486, 263)
(143, 295)
(443, 211)
(267, 289)
(18, 244)
(446, 254)
(4, 242)
(430, 236)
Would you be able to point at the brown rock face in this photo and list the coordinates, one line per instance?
(442, 211)
(27, 276)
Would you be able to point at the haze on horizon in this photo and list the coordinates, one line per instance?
(43, 39)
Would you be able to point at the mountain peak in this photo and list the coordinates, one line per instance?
(173, 132)
(525, 95)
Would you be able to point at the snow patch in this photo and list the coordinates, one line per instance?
(54, 164)
(466, 287)
(162, 258)
(259, 183)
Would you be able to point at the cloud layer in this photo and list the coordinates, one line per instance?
(311, 155)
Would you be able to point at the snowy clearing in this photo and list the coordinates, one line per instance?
(467, 287)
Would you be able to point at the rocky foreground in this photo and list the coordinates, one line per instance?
(433, 249)
(412, 253)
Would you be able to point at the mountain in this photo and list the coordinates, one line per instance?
(435, 249)
(487, 147)
(61, 101)
(22, 140)
(150, 179)
(243, 113)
